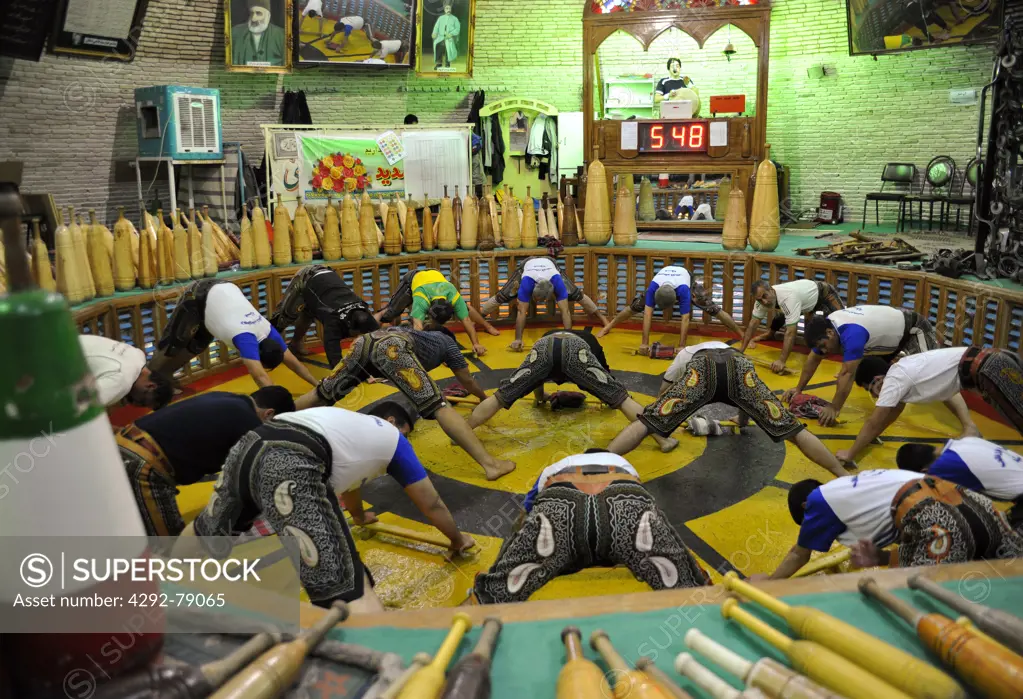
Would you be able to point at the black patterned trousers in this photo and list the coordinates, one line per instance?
(997, 375)
(569, 530)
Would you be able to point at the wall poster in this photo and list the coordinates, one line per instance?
(446, 35)
(98, 28)
(258, 35)
(368, 32)
(885, 26)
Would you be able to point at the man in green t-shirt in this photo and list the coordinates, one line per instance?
(257, 41)
(435, 300)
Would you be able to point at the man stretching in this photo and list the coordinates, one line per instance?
(672, 284)
(289, 470)
(855, 333)
(539, 278)
(588, 511)
(713, 372)
(563, 356)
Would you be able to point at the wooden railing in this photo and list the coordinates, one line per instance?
(962, 312)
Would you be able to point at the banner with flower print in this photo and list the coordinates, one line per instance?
(333, 165)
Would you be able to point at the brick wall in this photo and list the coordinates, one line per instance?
(71, 120)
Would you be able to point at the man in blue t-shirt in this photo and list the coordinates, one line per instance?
(290, 472)
(974, 463)
(932, 520)
(588, 511)
(855, 333)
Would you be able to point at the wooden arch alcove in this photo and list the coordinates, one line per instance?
(962, 312)
(746, 135)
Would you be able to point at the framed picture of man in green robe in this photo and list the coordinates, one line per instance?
(258, 35)
(445, 38)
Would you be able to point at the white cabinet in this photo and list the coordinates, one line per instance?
(570, 142)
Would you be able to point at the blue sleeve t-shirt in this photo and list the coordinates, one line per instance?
(405, 466)
(248, 346)
(821, 526)
(682, 295)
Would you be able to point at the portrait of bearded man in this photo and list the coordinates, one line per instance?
(258, 41)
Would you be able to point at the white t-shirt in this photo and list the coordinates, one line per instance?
(229, 314)
(540, 268)
(673, 274)
(678, 367)
(873, 330)
(389, 46)
(115, 365)
(356, 23)
(927, 377)
(362, 447)
(981, 466)
(313, 6)
(794, 299)
(851, 508)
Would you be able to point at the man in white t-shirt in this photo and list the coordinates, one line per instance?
(588, 511)
(927, 377)
(855, 333)
(121, 374)
(673, 284)
(539, 278)
(797, 299)
(996, 375)
(290, 470)
(933, 521)
(345, 26)
(211, 309)
(985, 467)
(713, 372)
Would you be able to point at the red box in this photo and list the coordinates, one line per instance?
(728, 104)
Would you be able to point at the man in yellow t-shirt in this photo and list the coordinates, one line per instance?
(433, 299)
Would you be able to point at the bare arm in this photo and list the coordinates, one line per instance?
(845, 384)
(747, 337)
(296, 365)
(809, 369)
(353, 504)
(877, 423)
(257, 372)
(684, 329)
(424, 496)
(786, 347)
(796, 558)
(470, 330)
(520, 320)
(566, 314)
(466, 379)
(417, 324)
(648, 319)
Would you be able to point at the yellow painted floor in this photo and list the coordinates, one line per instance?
(750, 531)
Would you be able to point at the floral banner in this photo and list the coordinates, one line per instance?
(336, 165)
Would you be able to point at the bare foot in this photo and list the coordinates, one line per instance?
(491, 330)
(669, 445)
(498, 469)
(602, 332)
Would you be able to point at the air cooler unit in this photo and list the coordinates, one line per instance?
(176, 122)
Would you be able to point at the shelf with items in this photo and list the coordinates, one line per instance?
(627, 97)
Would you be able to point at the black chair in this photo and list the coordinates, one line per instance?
(896, 174)
(938, 176)
(971, 176)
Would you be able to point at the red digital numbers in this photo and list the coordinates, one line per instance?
(683, 137)
(657, 136)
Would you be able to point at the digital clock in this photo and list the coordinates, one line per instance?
(673, 136)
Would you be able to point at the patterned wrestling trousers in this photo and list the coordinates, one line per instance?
(721, 376)
(560, 358)
(828, 300)
(510, 290)
(940, 522)
(152, 481)
(919, 336)
(280, 472)
(997, 375)
(700, 298)
(401, 299)
(185, 335)
(386, 354)
(569, 530)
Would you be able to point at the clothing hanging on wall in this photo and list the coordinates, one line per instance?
(497, 159)
(543, 146)
(535, 150)
(488, 144)
(294, 110)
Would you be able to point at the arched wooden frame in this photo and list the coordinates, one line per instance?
(700, 24)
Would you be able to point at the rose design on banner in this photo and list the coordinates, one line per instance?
(340, 172)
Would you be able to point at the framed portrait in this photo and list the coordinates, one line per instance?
(888, 26)
(107, 29)
(445, 41)
(258, 35)
(355, 32)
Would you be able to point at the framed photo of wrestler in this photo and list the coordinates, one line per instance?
(355, 32)
(258, 35)
(445, 41)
